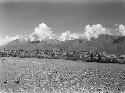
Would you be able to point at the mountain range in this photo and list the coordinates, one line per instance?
(104, 43)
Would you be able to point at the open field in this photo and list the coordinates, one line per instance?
(31, 75)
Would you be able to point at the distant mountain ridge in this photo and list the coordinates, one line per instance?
(108, 43)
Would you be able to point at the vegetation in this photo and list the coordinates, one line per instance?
(88, 56)
(32, 75)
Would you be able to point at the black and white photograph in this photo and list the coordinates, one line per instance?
(62, 46)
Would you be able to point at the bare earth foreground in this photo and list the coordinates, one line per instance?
(60, 76)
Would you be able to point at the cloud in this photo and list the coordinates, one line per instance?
(95, 30)
(42, 32)
(69, 36)
(121, 29)
(3, 41)
(7, 39)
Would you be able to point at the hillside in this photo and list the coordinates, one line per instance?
(107, 43)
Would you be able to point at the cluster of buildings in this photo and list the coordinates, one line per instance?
(88, 56)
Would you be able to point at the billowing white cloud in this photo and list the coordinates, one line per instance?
(122, 30)
(69, 36)
(42, 32)
(95, 30)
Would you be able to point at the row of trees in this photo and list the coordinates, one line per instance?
(88, 56)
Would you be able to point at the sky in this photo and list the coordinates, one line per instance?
(23, 16)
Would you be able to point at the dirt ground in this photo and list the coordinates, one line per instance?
(32, 75)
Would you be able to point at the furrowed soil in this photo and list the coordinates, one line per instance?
(31, 75)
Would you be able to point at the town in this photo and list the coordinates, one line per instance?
(84, 56)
